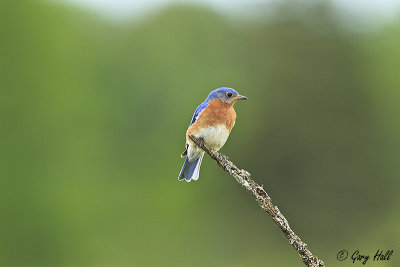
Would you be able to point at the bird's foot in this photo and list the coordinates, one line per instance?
(201, 141)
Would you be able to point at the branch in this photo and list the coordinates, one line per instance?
(265, 202)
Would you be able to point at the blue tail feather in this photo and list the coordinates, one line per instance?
(191, 169)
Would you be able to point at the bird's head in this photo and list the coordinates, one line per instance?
(226, 94)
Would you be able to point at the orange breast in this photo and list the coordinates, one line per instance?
(215, 114)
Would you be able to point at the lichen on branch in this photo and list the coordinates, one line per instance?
(243, 177)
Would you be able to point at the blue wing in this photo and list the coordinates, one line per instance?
(199, 109)
(196, 114)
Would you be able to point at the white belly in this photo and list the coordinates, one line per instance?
(214, 137)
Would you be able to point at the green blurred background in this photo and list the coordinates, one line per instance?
(94, 112)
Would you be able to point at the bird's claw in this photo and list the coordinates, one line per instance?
(201, 141)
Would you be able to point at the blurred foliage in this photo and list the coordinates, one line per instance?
(94, 116)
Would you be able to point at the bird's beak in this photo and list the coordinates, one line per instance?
(240, 97)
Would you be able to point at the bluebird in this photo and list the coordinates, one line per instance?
(212, 121)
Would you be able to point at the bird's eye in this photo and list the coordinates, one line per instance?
(229, 94)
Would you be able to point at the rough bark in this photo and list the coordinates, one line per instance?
(265, 202)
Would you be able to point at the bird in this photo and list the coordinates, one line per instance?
(212, 122)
